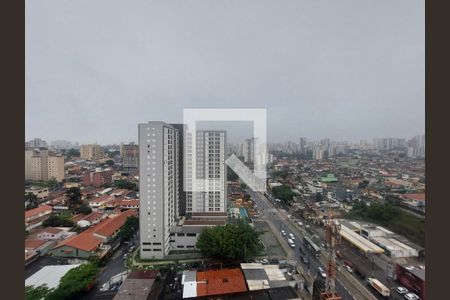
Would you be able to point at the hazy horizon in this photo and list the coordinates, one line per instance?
(344, 70)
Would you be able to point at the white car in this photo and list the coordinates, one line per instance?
(401, 290)
(300, 224)
(411, 296)
(283, 232)
(349, 269)
(322, 272)
(291, 236)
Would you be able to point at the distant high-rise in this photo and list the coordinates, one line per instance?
(318, 152)
(36, 143)
(210, 172)
(61, 144)
(302, 146)
(130, 156)
(158, 187)
(91, 152)
(43, 165)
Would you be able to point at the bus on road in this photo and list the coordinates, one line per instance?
(311, 245)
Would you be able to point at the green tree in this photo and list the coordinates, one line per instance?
(283, 193)
(74, 197)
(75, 282)
(124, 184)
(36, 293)
(109, 162)
(72, 153)
(58, 221)
(33, 201)
(232, 242)
(84, 209)
(129, 228)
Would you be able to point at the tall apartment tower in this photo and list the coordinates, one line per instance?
(91, 152)
(302, 145)
(130, 156)
(210, 171)
(43, 165)
(181, 192)
(158, 187)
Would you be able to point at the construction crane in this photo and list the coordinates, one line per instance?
(333, 238)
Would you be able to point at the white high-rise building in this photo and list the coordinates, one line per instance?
(158, 187)
(210, 172)
(318, 151)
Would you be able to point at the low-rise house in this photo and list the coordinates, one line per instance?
(52, 233)
(93, 241)
(34, 248)
(100, 201)
(36, 216)
(40, 192)
(87, 220)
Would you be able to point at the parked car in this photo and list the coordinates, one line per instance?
(300, 224)
(401, 290)
(283, 232)
(291, 236)
(411, 296)
(349, 269)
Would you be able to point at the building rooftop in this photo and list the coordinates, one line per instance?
(36, 211)
(217, 282)
(259, 276)
(49, 275)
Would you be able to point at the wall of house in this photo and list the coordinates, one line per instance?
(67, 251)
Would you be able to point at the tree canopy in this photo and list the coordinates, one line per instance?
(74, 282)
(283, 193)
(73, 195)
(36, 293)
(124, 184)
(72, 153)
(230, 241)
(58, 221)
(83, 209)
(129, 228)
(33, 201)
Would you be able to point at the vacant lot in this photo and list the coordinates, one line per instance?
(273, 248)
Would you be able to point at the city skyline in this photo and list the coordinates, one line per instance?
(358, 75)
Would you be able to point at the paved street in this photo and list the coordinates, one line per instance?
(273, 214)
(115, 266)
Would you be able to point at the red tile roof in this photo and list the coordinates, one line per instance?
(33, 244)
(36, 211)
(87, 241)
(111, 225)
(417, 197)
(90, 217)
(217, 282)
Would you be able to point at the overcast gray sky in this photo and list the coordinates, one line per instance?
(339, 69)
